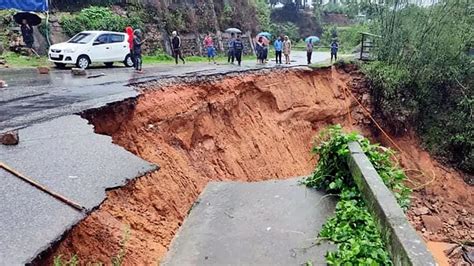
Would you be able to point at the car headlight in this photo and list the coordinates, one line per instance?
(69, 51)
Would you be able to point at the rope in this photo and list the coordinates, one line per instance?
(41, 187)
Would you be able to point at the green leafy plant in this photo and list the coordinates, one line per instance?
(118, 259)
(97, 18)
(73, 261)
(423, 79)
(353, 228)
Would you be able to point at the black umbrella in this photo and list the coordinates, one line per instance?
(32, 18)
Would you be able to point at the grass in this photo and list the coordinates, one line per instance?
(167, 59)
(20, 61)
(328, 63)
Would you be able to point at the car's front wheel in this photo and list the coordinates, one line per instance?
(83, 62)
(128, 62)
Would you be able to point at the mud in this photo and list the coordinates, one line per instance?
(249, 127)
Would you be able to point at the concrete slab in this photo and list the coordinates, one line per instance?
(29, 220)
(67, 157)
(265, 223)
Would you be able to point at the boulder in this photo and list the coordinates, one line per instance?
(432, 223)
(3, 84)
(9, 138)
(43, 70)
(78, 72)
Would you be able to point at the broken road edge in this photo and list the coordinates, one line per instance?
(403, 243)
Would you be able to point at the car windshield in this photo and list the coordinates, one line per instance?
(81, 38)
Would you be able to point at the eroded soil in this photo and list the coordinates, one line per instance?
(249, 127)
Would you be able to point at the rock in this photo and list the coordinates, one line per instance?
(43, 70)
(78, 72)
(9, 138)
(3, 62)
(421, 211)
(365, 97)
(3, 84)
(432, 223)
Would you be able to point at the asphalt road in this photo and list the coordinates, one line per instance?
(32, 97)
(262, 223)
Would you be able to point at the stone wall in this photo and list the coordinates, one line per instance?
(192, 44)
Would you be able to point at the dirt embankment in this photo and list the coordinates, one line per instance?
(249, 127)
(244, 127)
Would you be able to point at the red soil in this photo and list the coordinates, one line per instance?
(249, 127)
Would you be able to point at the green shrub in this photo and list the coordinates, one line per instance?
(424, 77)
(348, 37)
(352, 227)
(287, 28)
(97, 18)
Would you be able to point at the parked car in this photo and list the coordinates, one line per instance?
(90, 47)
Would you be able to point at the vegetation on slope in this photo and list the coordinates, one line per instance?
(353, 228)
(423, 78)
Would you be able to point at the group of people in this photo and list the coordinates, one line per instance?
(282, 46)
(235, 47)
(135, 42)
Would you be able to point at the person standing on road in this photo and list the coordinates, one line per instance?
(209, 45)
(129, 31)
(27, 33)
(287, 50)
(278, 49)
(309, 50)
(137, 49)
(334, 48)
(176, 43)
(259, 50)
(265, 50)
(230, 46)
(238, 49)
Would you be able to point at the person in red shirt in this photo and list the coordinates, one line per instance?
(209, 45)
(129, 31)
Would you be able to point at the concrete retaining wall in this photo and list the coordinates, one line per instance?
(403, 243)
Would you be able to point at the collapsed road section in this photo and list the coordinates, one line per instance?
(251, 126)
(73, 165)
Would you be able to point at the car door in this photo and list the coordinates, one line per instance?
(119, 46)
(101, 49)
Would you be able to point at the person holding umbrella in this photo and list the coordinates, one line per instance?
(309, 50)
(238, 49)
(334, 48)
(27, 33)
(259, 50)
(27, 20)
(231, 52)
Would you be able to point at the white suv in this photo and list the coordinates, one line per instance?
(90, 47)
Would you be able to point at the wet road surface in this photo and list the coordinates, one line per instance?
(32, 97)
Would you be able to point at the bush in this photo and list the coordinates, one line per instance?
(424, 77)
(287, 28)
(348, 37)
(97, 18)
